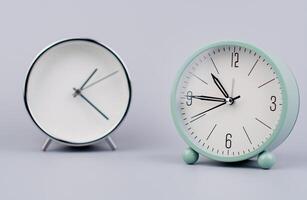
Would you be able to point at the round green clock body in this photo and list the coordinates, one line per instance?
(232, 102)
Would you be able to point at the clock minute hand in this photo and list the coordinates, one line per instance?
(89, 102)
(219, 85)
(208, 98)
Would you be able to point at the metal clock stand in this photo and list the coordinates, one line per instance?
(108, 140)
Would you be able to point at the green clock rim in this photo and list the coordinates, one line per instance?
(277, 130)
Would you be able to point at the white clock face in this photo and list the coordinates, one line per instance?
(77, 91)
(229, 100)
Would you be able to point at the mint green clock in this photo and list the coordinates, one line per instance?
(232, 102)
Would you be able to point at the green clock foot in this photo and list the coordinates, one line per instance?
(190, 156)
(266, 160)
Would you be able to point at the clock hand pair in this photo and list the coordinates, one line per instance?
(78, 92)
(99, 80)
(85, 82)
(220, 86)
(83, 87)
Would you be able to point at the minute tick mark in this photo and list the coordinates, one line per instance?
(263, 123)
(211, 132)
(247, 135)
(198, 78)
(266, 83)
(253, 67)
(214, 65)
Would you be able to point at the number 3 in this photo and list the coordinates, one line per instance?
(273, 106)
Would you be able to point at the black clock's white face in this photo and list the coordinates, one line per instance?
(230, 100)
(77, 91)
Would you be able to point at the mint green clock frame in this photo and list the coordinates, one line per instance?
(290, 95)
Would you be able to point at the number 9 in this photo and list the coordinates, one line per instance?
(189, 98)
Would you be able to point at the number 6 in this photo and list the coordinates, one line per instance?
(228, 141)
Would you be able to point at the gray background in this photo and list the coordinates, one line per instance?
(153, 39)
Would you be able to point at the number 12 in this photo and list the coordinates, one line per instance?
(234, 59)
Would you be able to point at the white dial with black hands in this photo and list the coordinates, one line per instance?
(221, 121)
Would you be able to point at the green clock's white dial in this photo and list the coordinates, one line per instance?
(229, 99)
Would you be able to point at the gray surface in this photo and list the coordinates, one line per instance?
(153, 39)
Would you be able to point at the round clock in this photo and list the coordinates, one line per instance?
(77, 91)
(232, 102)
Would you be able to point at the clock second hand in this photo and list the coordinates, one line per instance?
(89, 102)
(232, 86)
(208, 110)
(199, 115)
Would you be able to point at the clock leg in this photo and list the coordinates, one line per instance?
(111, 143)
(46, 144)
(266, 160)
(190, 156)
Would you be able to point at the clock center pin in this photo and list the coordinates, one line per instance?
(229, 100)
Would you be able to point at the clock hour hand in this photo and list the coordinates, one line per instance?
(207, 98)
(219, 85)
(92, 74)
(78, 92)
